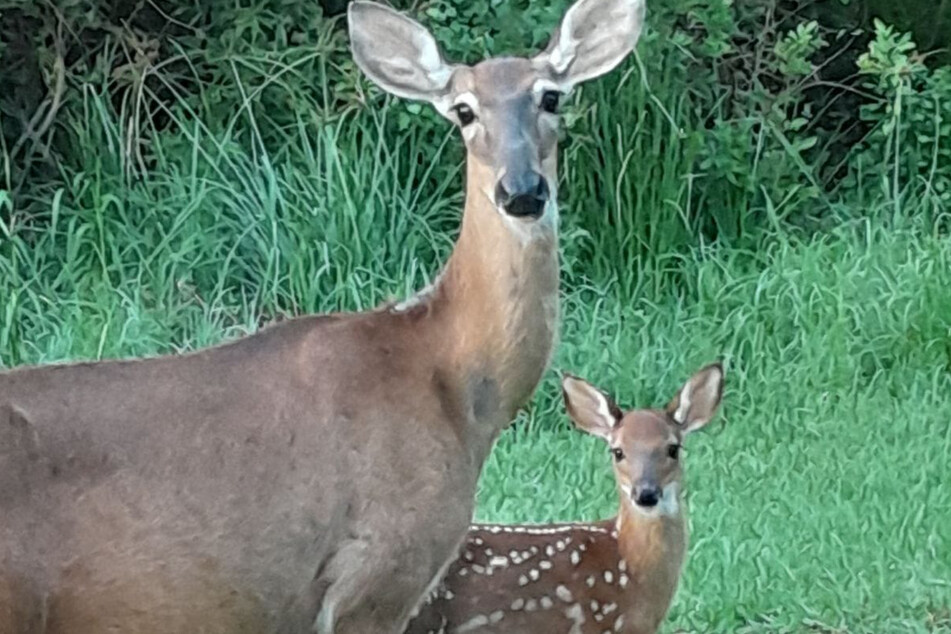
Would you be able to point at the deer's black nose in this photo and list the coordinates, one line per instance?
(522, 194)
(647, 496)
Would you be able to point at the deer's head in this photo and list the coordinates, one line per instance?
(645, 443)
(507, 107)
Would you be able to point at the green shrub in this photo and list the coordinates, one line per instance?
(911, 121)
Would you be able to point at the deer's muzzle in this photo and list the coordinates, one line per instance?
(522, 194)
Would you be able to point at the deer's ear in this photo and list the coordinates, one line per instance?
(591, 409)
(593, 38)
(698, 400)
(397, 53)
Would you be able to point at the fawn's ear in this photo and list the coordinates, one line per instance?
(593, 38)
(591, 409)
(698, 400)
(397, 53)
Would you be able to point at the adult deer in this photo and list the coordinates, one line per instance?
(319, 474)
(618, 575)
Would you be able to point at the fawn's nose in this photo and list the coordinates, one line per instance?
(522, 194)
(647, 496)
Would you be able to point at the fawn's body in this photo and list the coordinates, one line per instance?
(617, 575)
(318, 475)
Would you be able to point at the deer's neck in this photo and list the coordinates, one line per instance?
(498, 301)
(653, 549)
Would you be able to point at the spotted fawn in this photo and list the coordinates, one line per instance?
(616, 575)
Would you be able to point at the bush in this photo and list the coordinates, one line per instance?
(911, 121)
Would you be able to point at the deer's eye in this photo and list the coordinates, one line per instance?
(550, 100)
(618, 454)
(465, 114)
(673, 451)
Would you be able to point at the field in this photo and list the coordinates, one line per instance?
(823, 501)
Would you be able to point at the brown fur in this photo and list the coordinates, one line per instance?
(509, 601)
(653, 550)
(322, 463)
(617, 575)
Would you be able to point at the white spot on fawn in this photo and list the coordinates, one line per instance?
(576, 614)
(473, 623)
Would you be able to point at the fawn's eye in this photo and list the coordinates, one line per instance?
(465, 114)
(550, 100)
(618, 454)
(673, 451)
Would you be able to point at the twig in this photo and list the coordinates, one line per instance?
(42, 120)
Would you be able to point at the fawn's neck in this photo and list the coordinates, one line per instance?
(653, 548)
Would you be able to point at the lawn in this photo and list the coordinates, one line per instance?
(823, 502)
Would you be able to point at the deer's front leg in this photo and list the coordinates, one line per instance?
(377, 586)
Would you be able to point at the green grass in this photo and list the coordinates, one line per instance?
(822, 504)
(824, 501)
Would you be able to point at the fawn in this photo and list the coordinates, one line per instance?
(616, 575)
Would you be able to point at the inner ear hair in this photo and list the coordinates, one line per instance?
(614, 408)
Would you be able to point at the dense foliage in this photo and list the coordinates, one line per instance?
(752, 112)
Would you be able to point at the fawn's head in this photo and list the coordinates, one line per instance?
(506, 107)
(645, 443)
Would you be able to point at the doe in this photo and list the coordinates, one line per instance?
(617, 575)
